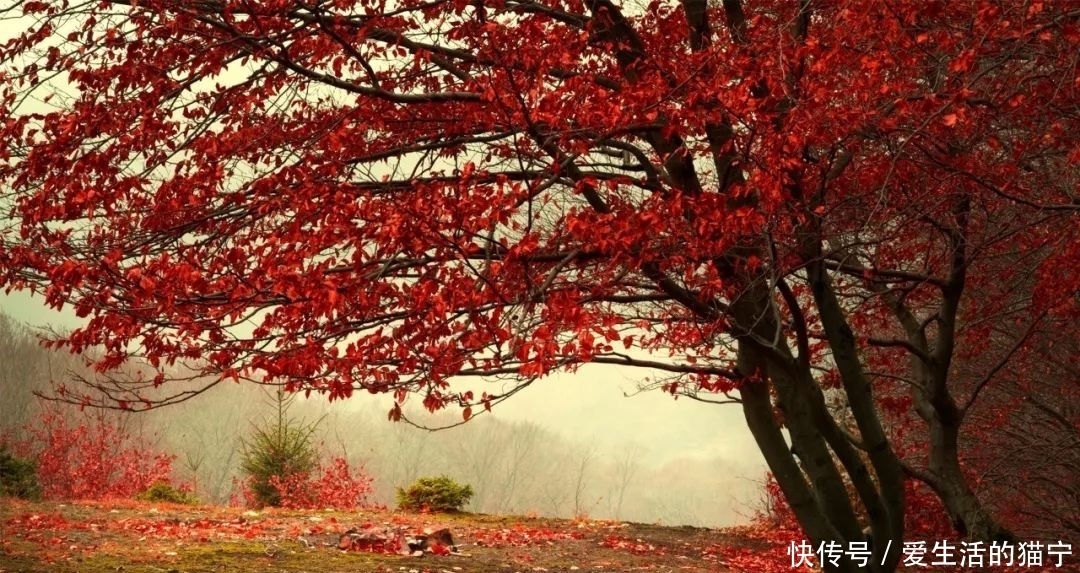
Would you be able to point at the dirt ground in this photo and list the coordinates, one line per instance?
(96, 537)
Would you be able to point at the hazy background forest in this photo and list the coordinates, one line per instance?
(576, 446)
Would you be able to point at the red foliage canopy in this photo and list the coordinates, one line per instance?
(358, 194)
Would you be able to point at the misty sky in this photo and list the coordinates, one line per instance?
(587, 407)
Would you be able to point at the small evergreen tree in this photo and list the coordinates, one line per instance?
(18, 477)
(278, 452)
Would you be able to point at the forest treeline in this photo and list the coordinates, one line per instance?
(514, 467)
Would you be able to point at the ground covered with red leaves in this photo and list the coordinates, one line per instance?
(93, 537)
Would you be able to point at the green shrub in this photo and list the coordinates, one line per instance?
(434, 494)
(165, 492)
(18, 477)
(276, 454)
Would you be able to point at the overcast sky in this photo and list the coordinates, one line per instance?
(588, 406)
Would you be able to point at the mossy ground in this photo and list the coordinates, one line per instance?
(126, 537)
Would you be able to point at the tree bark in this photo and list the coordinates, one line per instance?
(945, 476)
(811, 472)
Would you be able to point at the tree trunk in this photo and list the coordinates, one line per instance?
(937, 407)
(758, 410)
(811, 472)
(969, 516)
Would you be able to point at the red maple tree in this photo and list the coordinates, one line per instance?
(851, 213)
